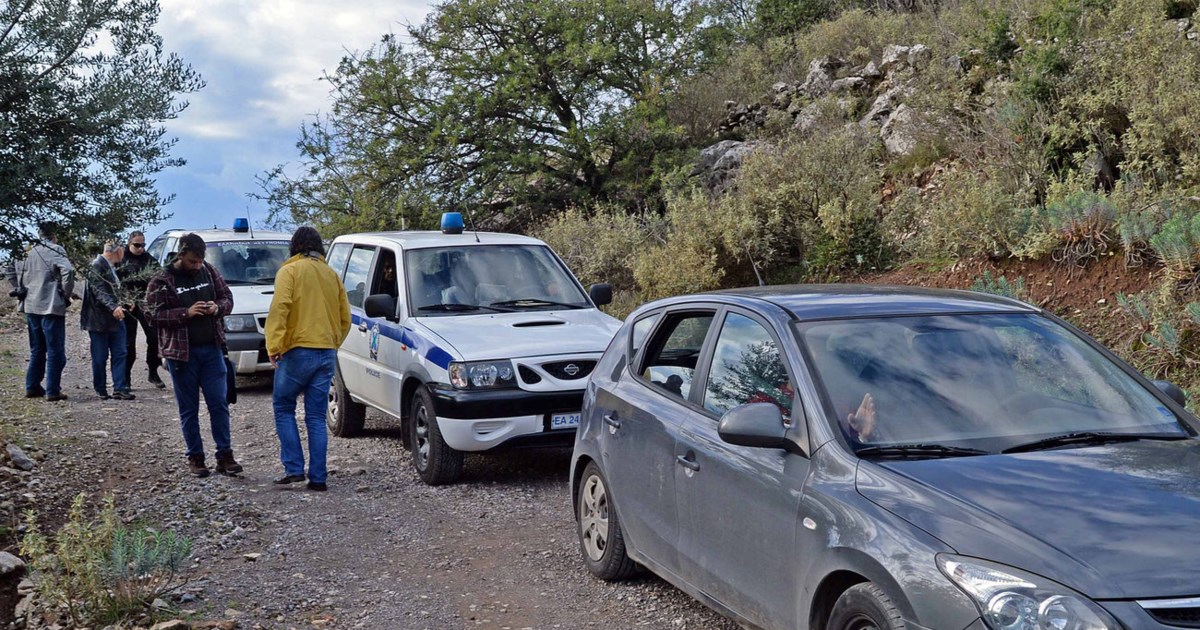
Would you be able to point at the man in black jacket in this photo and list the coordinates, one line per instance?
(102, 316)
(135, 272)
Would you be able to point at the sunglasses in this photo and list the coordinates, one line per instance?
(137, 245)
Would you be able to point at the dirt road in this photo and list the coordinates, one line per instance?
(378, 550)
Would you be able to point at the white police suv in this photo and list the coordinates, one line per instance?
(248, 260)
(475, 340)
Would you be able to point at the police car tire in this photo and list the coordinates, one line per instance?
(346, 418)
(443, 465)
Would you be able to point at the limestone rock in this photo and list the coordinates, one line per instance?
(893, 56)
(19, 458)
(10, 564)
(820, 75)
(899, 132)
(919, 55)
(174, 624)
(849, 84)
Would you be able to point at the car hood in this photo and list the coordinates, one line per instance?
(1112, 522)
(525, 334)
(252, 299)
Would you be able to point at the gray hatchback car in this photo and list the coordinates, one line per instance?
(856, 458)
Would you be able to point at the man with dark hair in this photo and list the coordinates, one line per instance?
(308, 320)
(187, 302)
(43, 282)
(102, 316)
(135, 272)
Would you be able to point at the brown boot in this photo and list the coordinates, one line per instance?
(196, 465)
(226, 464)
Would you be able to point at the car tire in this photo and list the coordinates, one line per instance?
(344, 417)
(865, 607)
(435, 462)
(601, 540)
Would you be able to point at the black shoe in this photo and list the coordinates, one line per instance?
(56, 397)
(318, 487)
(289, 479)
(103, 395)
(36, 392)
(155, 380)
(121, 394)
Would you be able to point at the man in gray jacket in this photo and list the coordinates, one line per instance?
(102, 316)
(43, 282)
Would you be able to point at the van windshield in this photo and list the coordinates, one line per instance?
(248, 262)
(456, 280)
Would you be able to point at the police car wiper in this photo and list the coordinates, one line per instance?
(915, 451)
(1088, 438)
(458, 308)
(534, 302)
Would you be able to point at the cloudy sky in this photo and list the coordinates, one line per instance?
(262, 61)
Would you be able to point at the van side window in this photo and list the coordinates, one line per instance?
(337, 258)
(672, 353)
(383, 281)
(357, 272)
(157, 248)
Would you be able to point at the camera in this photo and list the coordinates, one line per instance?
(20, 293)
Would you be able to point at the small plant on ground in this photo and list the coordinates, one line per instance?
(100, 571)
(1001, 286)
(1166, 329)
(1084, 221)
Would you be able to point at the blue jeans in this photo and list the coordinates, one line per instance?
(104, 344)
(307, 371)
(47, 352)
(204, 371)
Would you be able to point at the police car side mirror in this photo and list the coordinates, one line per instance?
(601, 294)
(381, 305)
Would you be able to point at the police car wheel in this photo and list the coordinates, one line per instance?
(344, 417)
(436, 463)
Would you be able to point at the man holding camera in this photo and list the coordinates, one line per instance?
(43, 282)
(187, 302)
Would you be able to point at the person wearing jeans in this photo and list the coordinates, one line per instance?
(43, 282)
(186, 303)
(308, 320)
(102, 317)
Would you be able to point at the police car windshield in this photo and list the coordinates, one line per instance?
(247, 262)
(502, 277)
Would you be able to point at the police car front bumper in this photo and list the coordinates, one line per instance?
(508, 418)
(248, 352)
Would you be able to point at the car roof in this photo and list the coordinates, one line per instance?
(433, 238)
(221, 234)
(807, 302)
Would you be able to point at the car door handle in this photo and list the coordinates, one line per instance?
(611, 420)
(687, 462)
(362, 327)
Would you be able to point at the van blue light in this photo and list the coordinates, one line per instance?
(241, 225)
(452, 223)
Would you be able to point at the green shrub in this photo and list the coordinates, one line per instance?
(1001, 286)
(1177, 243)
(98, 570)
(1083, 221)
(688, 260)
(600, 244)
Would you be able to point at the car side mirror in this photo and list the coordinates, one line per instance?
(757, 425)
(1172, 391)
(601, 294)
(381, 305)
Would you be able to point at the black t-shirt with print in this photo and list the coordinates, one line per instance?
(192, 287)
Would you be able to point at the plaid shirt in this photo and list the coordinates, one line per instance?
(169, 314)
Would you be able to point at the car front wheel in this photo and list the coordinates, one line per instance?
(865, 607)
(344, 417)
(436, 463)
(600, 536)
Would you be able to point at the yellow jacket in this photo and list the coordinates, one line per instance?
(309, 309)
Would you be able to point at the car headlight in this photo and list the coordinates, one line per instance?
(482, 375)
(240, 323)
(1011, 599)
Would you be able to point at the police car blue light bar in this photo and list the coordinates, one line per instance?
(452, 223)
(241, 225)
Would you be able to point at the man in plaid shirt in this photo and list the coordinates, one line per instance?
(187, 302)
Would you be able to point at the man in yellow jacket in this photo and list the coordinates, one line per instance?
(308, 320)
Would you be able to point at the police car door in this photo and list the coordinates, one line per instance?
(355, 356)
(384, 359)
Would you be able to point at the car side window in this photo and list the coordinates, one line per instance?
(157, 248)
(384, 279)
(637, 335)
(673, 351)
(357, 271)
(337, 258)
(746, 368)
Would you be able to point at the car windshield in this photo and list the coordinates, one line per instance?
(989, 382)
(248, 262)
(452, 280)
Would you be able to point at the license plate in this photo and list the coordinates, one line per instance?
(564, 421)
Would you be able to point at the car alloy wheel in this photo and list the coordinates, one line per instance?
(593, 518)
(436, 463)
(420, 422)
(343, 416)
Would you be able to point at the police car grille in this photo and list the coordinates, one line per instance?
(528, 375)
(569, 370)
(1178, 617)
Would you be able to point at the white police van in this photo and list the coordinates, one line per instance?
(248, 260)
(476, 341)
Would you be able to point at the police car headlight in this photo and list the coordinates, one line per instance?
(482, 375)
(240, 323)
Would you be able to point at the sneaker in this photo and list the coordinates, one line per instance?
(36, 392)
(196, 465)
(317, 487)
(103, 395)
(289, 479)
(122, 394)
(56, 397)
(226, 464)
(155, 380)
